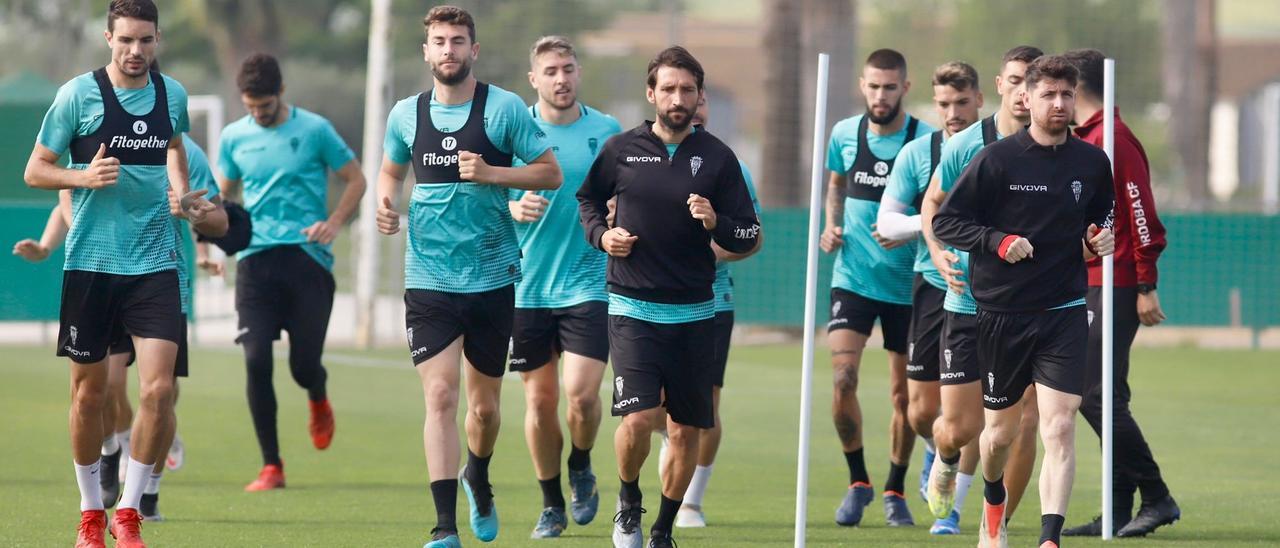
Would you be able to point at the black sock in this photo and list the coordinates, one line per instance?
(666, 517)
(949, 460)
(579, 459)
(857, 467)
(630, 492)
(445, 495)
(1051, 528)
(994, 490)
(477, 474)
(317, 394)
(552, 496)
(897, 478)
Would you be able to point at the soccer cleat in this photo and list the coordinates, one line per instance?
(1048, 544)
(1093, 528)
(271, 477)
(443, 539)
(925, 469)
(626, 526)
(584, 498)
(1150, 517)
(109, 477)
(855, 501)
(993, 531)
(942, 488)
(177, 454)
(662, 540)
(690, 517)
(321, 426)
(947, 526)
(484, 517)
(92, 532)
(150, 508)
(896, 512)
(126, 528)
(551, 523)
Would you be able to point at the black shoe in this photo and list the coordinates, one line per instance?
(109, 478)
(661, 540)
(150, 507)
(1094, 528)
(1150, 517)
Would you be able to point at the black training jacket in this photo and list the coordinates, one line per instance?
(1048, 195)
(671, 260)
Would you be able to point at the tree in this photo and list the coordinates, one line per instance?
(1189, 68)
(782, 138)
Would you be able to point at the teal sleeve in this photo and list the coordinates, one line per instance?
(394, 144)
(61, 120)
(902, 185)
(526, 139)
(200, 177)
(226, 160)
(178, 105)
(333, 149)
(955, 156)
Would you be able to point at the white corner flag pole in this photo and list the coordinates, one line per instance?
(811, 296)
(1108, 300)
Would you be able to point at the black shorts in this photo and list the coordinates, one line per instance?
(925, 331)
(959, 349)
(124, 345)
(539, 334)
(850, 310)
(724, 334)
(97, 308)
(434, 319)
(1016, 349)
(652, 358)
(283, 288)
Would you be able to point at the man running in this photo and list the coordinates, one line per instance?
(281, 155)
(957, 99)
(661, 271)
(1140, 237)
(962, 416)
(462, 258)
(118, 123)
(1022, 209)
(872, 278)
(561, 303)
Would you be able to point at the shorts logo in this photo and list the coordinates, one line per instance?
(1090, 313)
(624, 403)
(835, 309)
(911, 351)
(946, 356)
(694, 164)
(409, 333)
(618, 384)
(74, 335)
(448, 143)
(991, 381)
(1076, 187)
(881, 169)
(949, 376)
(140, 127)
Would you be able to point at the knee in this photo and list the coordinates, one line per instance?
(441, 399)
(542, 402)
(157, 393)
(683, 436)
(1058, 429)
(305, 368)
(88, 399)
(900, 401)
(637, 425)
(1000, 435)
(846, 379)
(485, 413)
(584, 404)
(921, 419)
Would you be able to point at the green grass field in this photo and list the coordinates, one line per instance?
(1208, 415)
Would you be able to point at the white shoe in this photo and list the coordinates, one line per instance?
(177, 454)
(626, 527)
(690, 517)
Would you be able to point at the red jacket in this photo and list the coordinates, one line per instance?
(1139, 235)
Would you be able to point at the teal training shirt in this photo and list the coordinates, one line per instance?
(125, 228)
(285, 172)
(461, 235)
(560, 268)
(201, 178)
(862, 266)
(723, 286)
(909, 180)
(957, 152)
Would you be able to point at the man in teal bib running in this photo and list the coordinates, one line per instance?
(872, 278)
(462, 257)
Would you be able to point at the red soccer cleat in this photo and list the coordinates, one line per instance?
(321, 426)
(92, 532)
(271, 477)
(126, 528)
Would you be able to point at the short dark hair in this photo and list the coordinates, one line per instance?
(144, 10)
(1055, 67)
(1026, 54)
(1089, 62)
(450, 15)
(957, 74)
(887, 59)
(260, 76)
(676, 57)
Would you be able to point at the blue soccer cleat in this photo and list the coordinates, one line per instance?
(949, 525)
(584, 497)
(924, 474)
(443, 539)
(896, 512)
(484, 520)
(855, 501)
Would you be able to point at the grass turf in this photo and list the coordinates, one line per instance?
(1200, 409)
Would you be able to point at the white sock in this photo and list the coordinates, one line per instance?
(928, 443)
(153, 483)
(110, 445)
(132, 486)
(963, 481)
(698, 485)
(90, 488)
(125, 435)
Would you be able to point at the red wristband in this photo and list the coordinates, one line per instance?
(1005, 243)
